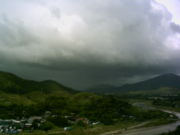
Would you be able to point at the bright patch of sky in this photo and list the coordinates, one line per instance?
(173, 7)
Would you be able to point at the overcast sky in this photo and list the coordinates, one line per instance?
(80, 43)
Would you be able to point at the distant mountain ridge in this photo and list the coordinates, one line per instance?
(166, 80)
(11, 83)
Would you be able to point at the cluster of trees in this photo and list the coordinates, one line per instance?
(168, 101)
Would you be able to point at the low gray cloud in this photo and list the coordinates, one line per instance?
(82, 43)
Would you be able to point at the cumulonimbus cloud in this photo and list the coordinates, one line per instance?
(105, 39)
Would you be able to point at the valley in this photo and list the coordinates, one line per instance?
(48, 107)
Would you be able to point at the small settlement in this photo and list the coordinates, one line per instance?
(14, 126)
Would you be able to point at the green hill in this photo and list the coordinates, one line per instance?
(11, 83)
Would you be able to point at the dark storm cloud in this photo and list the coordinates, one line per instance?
(175, 27)
(81, 43)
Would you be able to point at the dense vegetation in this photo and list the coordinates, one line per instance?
(105, 109)
(168, 101)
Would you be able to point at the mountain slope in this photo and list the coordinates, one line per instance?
(13, 84)
(163, 81)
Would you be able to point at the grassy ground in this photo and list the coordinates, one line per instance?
(8, 99)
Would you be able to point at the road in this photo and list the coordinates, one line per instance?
(149, 131)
